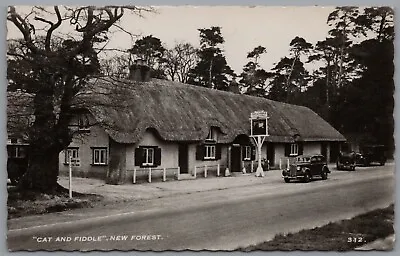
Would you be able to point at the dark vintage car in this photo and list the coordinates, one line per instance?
(371, 154)
(306, 167)
(346, 161)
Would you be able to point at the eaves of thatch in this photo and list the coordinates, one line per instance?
(181, 112)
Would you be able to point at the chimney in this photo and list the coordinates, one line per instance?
(139, 71)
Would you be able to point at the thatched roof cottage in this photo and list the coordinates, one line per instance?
(136, 124)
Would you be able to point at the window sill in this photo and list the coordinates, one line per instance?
(98, 164)
(210, 159)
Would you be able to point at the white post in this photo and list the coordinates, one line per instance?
(179, 173)
(134, 176)
(227, 173)
(70, 175)
(149, 175)
(252, 166)
(205, 171)
(218, 170)
(195, 171)
(164, 178)
(280, 163)
(244, 168)
(288, 163)
(259, 171)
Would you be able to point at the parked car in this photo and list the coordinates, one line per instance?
(346, 161)
(371, 154)
(306, 167)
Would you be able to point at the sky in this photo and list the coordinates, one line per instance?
(243, 28)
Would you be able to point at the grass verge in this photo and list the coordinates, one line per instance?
(25, 203)
(345, 235)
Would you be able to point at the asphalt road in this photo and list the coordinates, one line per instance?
(241, 217)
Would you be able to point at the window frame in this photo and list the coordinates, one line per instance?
(83, 123)
(210, 152)
(294, 149)
(67, 153)
(212, 135)
(247, 153)
(100, 149)
(146, 156)
(15, 151)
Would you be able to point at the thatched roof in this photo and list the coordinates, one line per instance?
(181, 112)
(19, 114)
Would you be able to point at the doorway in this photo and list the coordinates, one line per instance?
(183, 158)
(236, 158)
(271, 154)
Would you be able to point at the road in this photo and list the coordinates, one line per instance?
(223, 220)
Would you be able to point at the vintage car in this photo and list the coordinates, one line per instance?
(371, 154)
(306, 167)
(346, 161)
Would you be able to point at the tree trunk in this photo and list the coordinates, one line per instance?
(42, 172)
(327, 82)
(47, 138)
(210, 75)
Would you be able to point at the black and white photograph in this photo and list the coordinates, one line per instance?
(200, 128)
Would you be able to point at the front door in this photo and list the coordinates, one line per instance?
(183, 158)
(271, 154)
(324, 149)
(235, 159)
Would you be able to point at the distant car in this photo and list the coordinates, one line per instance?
(346, 161)
(306, 167)
(371, 154)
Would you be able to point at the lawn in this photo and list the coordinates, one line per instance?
(345, 235)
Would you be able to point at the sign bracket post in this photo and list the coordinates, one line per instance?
(259, 132)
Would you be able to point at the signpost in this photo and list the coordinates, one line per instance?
(259, 131)
(70, 176)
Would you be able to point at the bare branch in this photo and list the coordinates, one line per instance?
(52, 28)
(24, 27)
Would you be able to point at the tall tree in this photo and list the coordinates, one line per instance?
(179, 60)
(150, 50)
(298, 47)
(280, 89)
(212, 69)
(253, 77)
(345, 23)
(369, 101)
(58, 73)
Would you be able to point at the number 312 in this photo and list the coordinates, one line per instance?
(355, 239)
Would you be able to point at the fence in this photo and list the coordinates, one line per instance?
(285, 162)
(212, 170)
(202, 171)
(151, 173)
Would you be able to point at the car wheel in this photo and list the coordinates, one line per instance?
(307, 177)
(287, 180)
(324, 175)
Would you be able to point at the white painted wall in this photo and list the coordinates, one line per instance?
(312, 148)
(96, 138)
(169, 151)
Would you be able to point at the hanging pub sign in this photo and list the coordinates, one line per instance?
(259, 123)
